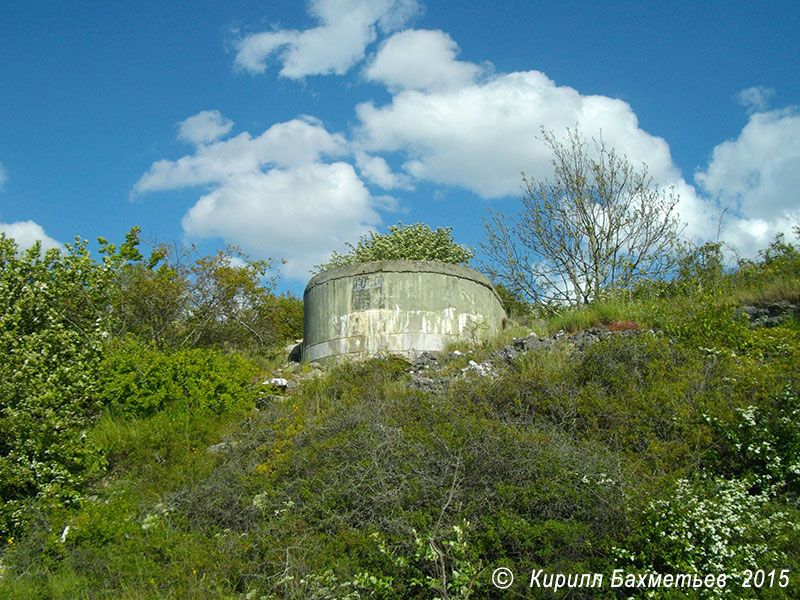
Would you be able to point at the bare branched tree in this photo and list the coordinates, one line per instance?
(599, 224)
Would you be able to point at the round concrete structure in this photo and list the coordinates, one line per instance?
(397, 307)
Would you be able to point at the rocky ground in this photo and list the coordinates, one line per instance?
(769, 315)
(427, 373)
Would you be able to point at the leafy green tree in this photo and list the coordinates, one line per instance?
(148, 296)
(403, 242)
(782, 256)
(226, 301)
(600, 224)
(177, 299)
(701, 269)
(53, 321)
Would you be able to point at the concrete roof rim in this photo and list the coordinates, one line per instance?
(401, 266)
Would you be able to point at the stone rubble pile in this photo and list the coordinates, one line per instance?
(426, 371)
(768, 315)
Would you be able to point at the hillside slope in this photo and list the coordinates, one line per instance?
(673, 450)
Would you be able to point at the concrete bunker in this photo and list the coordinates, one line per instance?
(397, 307)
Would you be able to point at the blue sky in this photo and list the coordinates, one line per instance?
(288, 128)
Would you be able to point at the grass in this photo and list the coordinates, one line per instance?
(603, 312)
(782, 289)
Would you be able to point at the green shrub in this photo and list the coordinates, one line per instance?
(761, 444)
(139, 380)
(403, 242)
(177, 299)
(52, 326)
(674, 452)
(513, 303)
(714, 526)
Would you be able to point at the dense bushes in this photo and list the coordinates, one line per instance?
(712, 525)
(63, 321)
(137, 380)
(358, 453)
(641, 453)
(674, 451)
(52, 327)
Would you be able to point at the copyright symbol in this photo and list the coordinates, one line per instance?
(502, 578)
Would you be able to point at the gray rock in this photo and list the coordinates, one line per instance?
(768, 315)
(482, 369)
(221, 448)
(278, 382)
(534, 342)
(505, 354)
(424, 361)
(429, 385)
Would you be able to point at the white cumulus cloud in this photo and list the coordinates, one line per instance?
(420, 60)
(757, 178)
(277, 194)
(481, 136)
(453, 123)
(288, 144)
(204, 127)
(481, 133)
(298, 214)
(26, 233)
(346, 28)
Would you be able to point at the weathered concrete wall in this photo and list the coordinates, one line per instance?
(400, 307)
